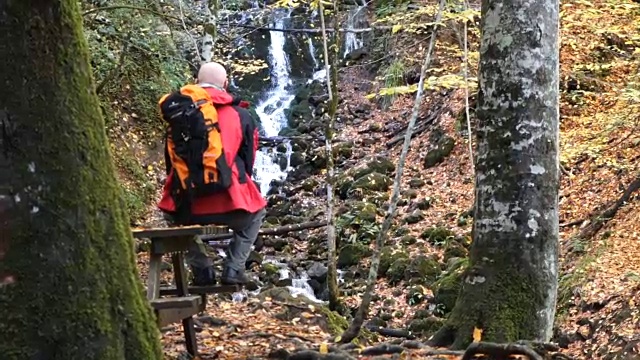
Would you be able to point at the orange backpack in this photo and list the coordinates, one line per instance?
(193, 143)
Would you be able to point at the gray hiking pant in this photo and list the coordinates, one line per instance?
(245, 227)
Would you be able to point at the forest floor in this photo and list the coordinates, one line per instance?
(598, 314)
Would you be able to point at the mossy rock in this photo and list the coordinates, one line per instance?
(447, 288)
(343, 150)
(270, 269)
(397, 270)
(387, 257)
(379, 164)
(427, 326)
(351, 254)
(454, 249)
(437, 235)
(415, 217)
(443, 148)
(416, 183)
(424, 204)
(415, 295)
(425, 269)
(408, 240)
(410, 193)
(310, 184)
(372, 182)
(365, 212)
(401, 231)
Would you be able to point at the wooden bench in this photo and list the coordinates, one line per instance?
(184, 301)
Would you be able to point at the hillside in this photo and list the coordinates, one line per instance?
(597, 314)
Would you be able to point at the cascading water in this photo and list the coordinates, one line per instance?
(352, 40)
(271, 109)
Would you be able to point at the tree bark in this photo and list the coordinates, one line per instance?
(510, 287)
(69, 287)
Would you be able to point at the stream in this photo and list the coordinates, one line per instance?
(271, 107)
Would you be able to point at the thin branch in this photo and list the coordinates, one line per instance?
(312, 31)
(184, 26)
(332, 275)
(466, 90)
(130, 7)
(116, 71)
(355, 326)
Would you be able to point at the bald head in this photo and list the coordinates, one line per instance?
(213, 73)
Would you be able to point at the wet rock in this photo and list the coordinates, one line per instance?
(270, 269)
(443, 148)
(317, 271)
(297, 158)
(284, 282)
(415, 217)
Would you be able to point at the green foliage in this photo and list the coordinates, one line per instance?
(150, 66)
(393, 77)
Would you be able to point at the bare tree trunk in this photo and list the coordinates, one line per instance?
(356, 325)
(69, 288)
(510, 287)
(331, 74)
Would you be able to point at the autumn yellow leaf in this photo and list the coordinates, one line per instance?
(477, 334)
(324, 348)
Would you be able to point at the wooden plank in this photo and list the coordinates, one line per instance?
(176, 302)
(172, 244)
(165, 317)
(200, 290)
(179, 231)
(153, 278)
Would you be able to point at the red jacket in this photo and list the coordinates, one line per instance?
(239, 137)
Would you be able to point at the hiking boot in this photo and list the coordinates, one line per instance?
(203, 276)
(234, 277)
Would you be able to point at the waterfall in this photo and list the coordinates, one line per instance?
(353, 41)
(271, 108)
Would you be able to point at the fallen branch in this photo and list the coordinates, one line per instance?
(308, 31)
(396, 333)
(424, 125)
(130, 7)
(501, 351)
(261, 334)
(272, 231)
(600, 220)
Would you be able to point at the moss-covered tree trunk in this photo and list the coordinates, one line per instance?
(509, 290)
(69, 288)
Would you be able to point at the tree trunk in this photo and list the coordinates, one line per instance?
(509, 290)
(69, 288)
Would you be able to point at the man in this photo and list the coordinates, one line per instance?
(241, 207)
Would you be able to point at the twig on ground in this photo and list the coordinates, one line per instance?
(499, 350)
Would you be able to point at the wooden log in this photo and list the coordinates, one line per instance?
(272, 231)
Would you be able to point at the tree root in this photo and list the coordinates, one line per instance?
(396, 333)
(532, 350)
